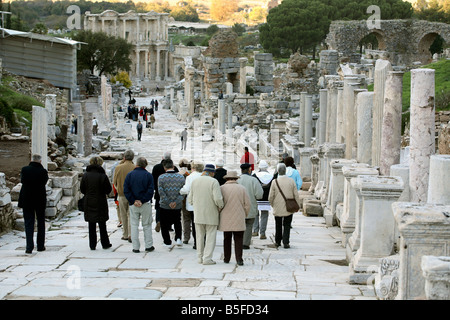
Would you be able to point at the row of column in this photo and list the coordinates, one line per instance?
(158, 63)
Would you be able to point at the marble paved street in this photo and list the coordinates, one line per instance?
(312, 269)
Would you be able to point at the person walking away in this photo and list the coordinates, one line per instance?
(156, 105)
(248, 158)
(293, 173)
(94, 126)
(232, 216)
(283, 218)
(169, 185)
(158, 170)
(152, 121)
(95, 186)
(73, 121)
(265, 179)
(220, 172)
(33, 200)
(255, 192)
(188, 217)
(120, 173)
(206, 198)
(138, 189)
(184, 135)
(139, 130)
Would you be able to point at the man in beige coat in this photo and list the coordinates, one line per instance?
(283, 218)
(120, 173)
(206, 198)
(232, 217)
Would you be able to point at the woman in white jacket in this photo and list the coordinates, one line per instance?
(188, 219)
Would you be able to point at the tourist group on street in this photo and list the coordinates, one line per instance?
(192, 199)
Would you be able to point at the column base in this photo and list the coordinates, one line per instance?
(363, 269)
(330, 218)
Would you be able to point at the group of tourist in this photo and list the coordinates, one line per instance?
(196, 200)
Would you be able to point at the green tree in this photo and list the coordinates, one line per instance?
(238, 28)
(40, 28)
(185, 13)
(105, 53)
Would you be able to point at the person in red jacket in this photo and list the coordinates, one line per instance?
(248, 158)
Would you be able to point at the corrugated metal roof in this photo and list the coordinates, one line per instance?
(38, 36)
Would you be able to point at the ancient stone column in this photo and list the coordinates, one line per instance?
(87, 133)
(364, 107)
(39, 135)
(424, 230)
(391, 132)
(301, 124)
(382, 68)
(230, 116)
(242, 75)
(351, 215)
(340, 114)
(323, 95)
(189, 90)
(332, 151)
(422, 132)
(350, 119)
(308, 120)
(439, 180)
(377, 223)
(50, 105)
(221, 115)
(332, 112)
(336, 192)
(356, 91)
(81, 127)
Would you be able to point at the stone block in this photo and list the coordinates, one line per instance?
(53, 199)
(15, 192)
(63, 179)
(312, 208)
(436, 271)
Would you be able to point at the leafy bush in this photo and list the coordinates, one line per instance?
(7, 112)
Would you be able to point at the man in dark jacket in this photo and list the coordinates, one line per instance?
(220, 171)
(138, 189)
(158, 170)
(33, 200)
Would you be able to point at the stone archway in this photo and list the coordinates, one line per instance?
(424, 45)
(374, 35)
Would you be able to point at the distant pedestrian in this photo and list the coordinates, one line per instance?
(73, 121)
(255, 192)
(283, 185)
(156, 105)
(138, 189)
(206, 198)
(152, 121)
(265, 178)
(139, 130)
(120, 173)
(95, 186)
(248, 157)
(292, 172)
(188, 216)
(169, 185)
(94, 126)
(220, 171)
(33, 200)
(232, 216)
(184, 135)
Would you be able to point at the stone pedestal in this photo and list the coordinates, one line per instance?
(382, 67)
(314, 172)
(436, 271)
(391, 133)
(439, 180)
(305, 169)
(39, 134)
(350, 221)
(377, 223)
(336, 192)
(424, 230)
(333, 151)
(50, 105)
(340, 116)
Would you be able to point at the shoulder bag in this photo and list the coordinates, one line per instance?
(291, 204)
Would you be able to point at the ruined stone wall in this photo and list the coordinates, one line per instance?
(406, 41)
